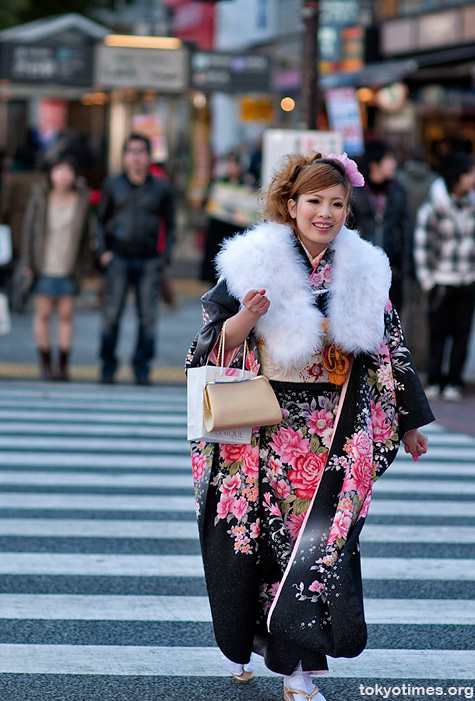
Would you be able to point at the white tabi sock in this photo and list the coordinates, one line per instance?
(235, 667)
(303, 682)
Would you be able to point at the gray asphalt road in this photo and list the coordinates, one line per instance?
(102, 596)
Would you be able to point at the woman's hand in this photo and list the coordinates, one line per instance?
(256, 302)
(415, 443)
(254, 305)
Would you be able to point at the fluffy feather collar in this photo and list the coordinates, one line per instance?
(267, 257)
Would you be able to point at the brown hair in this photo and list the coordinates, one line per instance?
(299, 175)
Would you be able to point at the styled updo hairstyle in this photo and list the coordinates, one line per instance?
(299, 175)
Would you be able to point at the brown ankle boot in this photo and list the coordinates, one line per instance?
(45, 364)
(63, 374)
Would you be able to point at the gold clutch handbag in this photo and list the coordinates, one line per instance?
(239, 403)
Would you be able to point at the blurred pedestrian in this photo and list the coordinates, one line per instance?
(55, 249)
(416, 177)
(131, 208)
(445, 265)
(18, 182)
(381, 214)
(218, 228)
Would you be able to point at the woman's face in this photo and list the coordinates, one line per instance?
(62, 177)
(319, 217)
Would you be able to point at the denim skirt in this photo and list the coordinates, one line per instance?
(55, 286)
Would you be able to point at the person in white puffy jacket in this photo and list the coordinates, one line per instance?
(444, 256)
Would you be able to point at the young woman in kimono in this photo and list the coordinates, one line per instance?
(280, 519)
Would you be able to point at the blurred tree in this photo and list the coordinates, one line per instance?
(14, 12)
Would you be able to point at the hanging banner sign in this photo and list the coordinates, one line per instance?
(345, 118)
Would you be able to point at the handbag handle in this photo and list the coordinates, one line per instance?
(221, 351)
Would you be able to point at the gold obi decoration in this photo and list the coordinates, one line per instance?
(335, 361)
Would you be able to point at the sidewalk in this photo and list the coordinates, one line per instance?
(176, 329)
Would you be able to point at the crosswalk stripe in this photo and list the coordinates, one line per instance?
(73, 429)
(80, 564)
(24, 501)
(102, 445)
(92, 502)
(185, 481)
(72, 461)
(382, 568)
(95, 528)
(194, 609)
(92, 417)
(206, 662)
(144, 445)
(188, 530)
(167, 481)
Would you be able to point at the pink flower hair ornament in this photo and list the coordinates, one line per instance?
(352, 172)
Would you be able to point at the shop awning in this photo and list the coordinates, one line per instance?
(386, 72)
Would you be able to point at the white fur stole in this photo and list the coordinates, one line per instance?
(266, 257)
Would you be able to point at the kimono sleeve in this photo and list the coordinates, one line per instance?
(412, 406)
(217, 306)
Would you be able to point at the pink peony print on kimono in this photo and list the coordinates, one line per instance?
(236, 483)
(289, 444)
(307, 473)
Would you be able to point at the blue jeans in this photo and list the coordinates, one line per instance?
(144, 276)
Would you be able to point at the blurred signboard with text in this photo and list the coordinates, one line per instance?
(142, 68)
(278, 143)
(54, 65)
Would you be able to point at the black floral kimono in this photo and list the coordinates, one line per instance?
(280, 519)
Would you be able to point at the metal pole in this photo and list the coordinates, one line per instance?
(309, 82)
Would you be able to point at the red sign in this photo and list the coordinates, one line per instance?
(193, 22)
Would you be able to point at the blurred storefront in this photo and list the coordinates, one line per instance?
(419, 88)
(69, 81)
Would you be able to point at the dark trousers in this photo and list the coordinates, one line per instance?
(450, 318)
(144, 277)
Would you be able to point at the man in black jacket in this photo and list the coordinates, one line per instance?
(133, 206)
(382, 216)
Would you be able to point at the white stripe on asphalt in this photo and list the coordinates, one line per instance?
(94, 417)
(399, 507)
(388, 485)
(87, 479)
(417, 534)
(196, 609)
(117, 444)
(94, 528)
(159, 395)
(72, 460)
(136, 502)
(430, 468)
(109, 445)
(188, 530)
(91, 502)
(80, 564)
(405, 568)
(104, 608)
(122, 406)
(444, 452)
(206, 662)
(381, 568)
(59, 429)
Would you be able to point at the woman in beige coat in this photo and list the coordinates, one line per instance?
(55, 246)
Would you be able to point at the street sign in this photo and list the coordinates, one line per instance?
(280, 142)
(230, 73)
(142, 68)
(62, 64)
